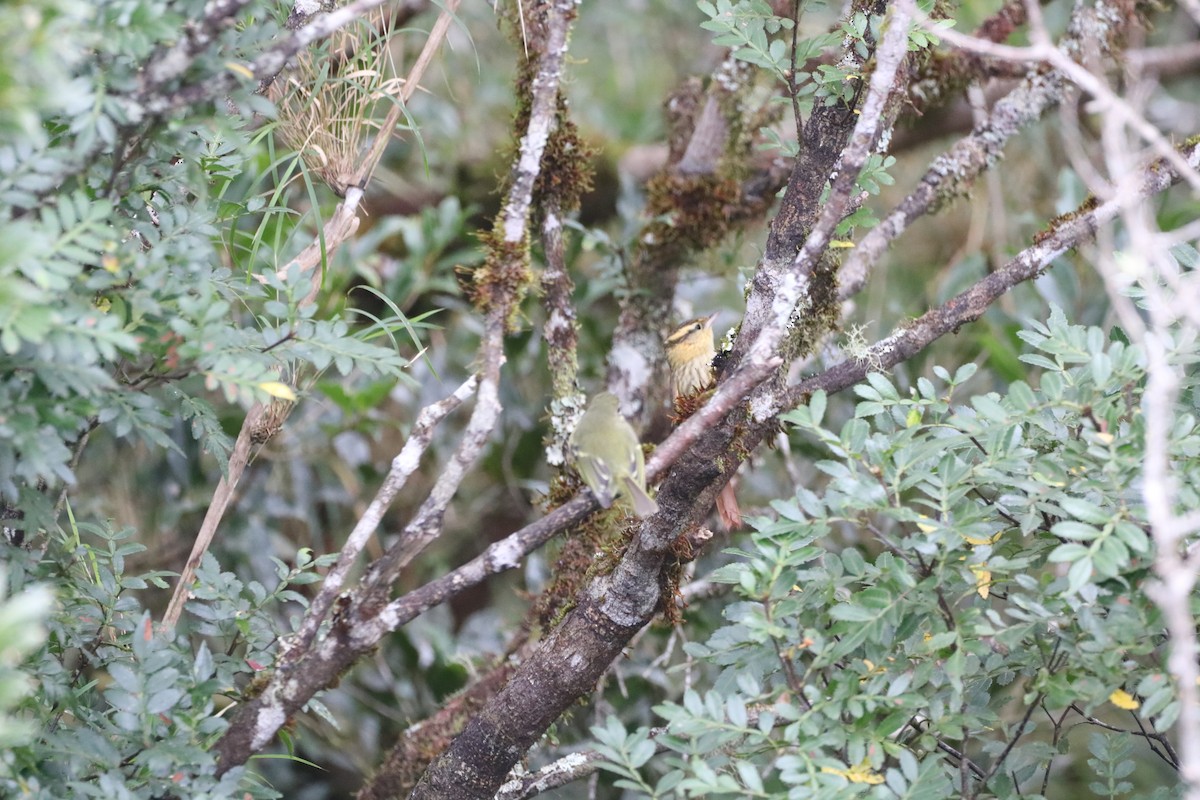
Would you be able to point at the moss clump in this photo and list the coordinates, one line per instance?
(1052, 227)
(503, 278)
(698, 209)
(822, 315)
(567, 172)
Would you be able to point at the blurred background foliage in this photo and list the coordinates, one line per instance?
(239, 203)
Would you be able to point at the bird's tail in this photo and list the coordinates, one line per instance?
(728, 509)
(643, 504)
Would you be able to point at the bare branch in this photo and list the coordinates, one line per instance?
(403, 466)
(968, 306)
(953, 172)
(426, 525)
(432, 43)
(1043, 50)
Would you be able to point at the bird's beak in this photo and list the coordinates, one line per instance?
(708, 321)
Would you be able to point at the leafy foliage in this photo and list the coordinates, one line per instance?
(120, 305)
(130, 297)
(125, 711)
(992, 604)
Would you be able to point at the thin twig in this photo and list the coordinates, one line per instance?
(403, 466)
(999, 762)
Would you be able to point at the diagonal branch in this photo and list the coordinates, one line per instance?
(970, 305)
(403, 466)
(263, 420)
(304, 670)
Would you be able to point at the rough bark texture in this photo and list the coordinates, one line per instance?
(614, 607)
(480, 758)
(795, 274)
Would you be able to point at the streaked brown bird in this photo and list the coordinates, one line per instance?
(690, 352)
(606, 452)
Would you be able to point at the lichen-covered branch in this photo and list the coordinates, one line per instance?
(953, 172)
(426, 525)
(263, 420)
(403, 466)
(499, 284)
(906, 341)
(566, 177)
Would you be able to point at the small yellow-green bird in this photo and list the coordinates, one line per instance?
(608, 456)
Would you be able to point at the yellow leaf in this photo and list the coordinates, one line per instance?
(278, 389)
(859, 773)
(841, 243)
(1124, 700)
(981, 540)
(983, 579)
(240, 69)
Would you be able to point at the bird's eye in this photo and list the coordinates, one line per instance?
(697, 326)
